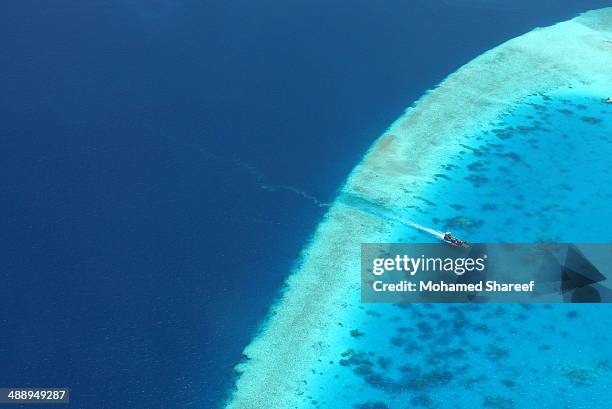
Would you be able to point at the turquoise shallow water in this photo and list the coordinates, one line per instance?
(490, 356)
(512, 147)
(540, 172)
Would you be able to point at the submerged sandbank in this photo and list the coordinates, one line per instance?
(324, 289)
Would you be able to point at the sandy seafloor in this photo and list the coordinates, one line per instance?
(513, 147)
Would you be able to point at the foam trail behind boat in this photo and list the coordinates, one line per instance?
(385, 212)
(428, 230)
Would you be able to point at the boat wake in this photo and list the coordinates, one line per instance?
(260, 179)
(379, 210)
(428, 230)
(263, 184)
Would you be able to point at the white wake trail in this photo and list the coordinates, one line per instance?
(368, 206)
(429, 230)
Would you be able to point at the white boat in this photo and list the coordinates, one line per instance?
(454, 241)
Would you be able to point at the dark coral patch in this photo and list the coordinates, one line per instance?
(571, 314)
(463, 223)
(505, 133)
(422, 400)
(580, 376)
(488, 207)
(477, 180)
(591, 120)
(515, 157)
(495, 353)
(477, 166)
(371, 405)
(355, 333)
(429, 202)
(424, 327)
(384, 362)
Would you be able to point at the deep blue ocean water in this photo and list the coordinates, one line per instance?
(139, 249)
